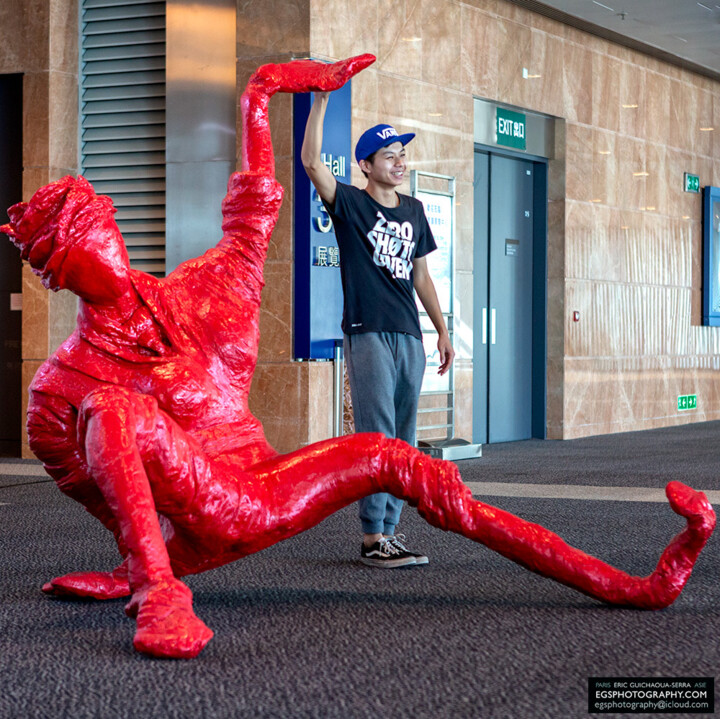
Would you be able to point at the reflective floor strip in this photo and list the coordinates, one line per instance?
(22, 470)
(571, 491)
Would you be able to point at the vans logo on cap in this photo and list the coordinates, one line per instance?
(387, 132)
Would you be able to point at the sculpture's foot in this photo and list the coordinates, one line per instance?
(694, 506)
(166, 624)
(90, 585)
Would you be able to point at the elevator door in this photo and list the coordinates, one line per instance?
(503, 298)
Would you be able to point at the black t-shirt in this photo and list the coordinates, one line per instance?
(377, 246)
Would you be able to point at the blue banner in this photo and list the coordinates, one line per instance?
(317, 288)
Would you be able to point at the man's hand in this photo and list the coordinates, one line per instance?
(447, 353)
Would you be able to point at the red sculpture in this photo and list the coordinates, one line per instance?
(142, 414)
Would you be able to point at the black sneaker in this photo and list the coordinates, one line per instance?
(398, 541)
(385, 554)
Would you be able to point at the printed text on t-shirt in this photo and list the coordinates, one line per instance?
(394, 245)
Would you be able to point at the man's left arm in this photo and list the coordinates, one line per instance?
(425, 289)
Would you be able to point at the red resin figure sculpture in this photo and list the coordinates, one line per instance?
(142, 414)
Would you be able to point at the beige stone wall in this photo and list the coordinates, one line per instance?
(624, 239)
(40, 40)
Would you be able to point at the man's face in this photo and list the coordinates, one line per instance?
(388, 166)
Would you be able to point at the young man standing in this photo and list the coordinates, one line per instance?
(383, 238)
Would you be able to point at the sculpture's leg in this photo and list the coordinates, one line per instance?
(52, 423)
(311, 484)
(115, 425)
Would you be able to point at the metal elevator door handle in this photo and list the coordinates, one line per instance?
(492, 326)
(484, 325)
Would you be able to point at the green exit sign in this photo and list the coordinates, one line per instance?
(686, 402)
(510, 128)
(692, 183)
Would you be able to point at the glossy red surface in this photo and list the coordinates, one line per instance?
(142, 414)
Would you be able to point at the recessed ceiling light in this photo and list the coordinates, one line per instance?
(705, 6)
(630, 107)
(605, 6)
(641, 174)
(706, 129)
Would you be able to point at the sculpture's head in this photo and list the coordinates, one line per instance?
(70, 238)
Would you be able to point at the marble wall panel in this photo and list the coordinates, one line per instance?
(320, 401)
(577, 86)
(64, 36)
(62, 317)
(631, 172)
(604, 168)
(622, 237)
(657, 99)
(276, 313)
(63, 119)
(578, 162)
(556, 239)
(683, 116)
(463, 400)
(545, 81)
(278, 398)
(606, 72)
(36, 119)
(35, 33)
(29, 368)
(656, 182)
(464, 314)
(342, 28)
(35, 317)
(464, 214)
(266, 26)
(12, 37)
(514, 42)
(479, 53)
(633, 107)
(441, 65)
(401, 40)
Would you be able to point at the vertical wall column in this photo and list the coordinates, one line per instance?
(200, 125)
(50, 150)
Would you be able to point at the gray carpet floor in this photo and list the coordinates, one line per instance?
(303, 630)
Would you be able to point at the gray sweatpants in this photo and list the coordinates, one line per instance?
(385, 370)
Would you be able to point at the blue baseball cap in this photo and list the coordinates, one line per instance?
(376, 137)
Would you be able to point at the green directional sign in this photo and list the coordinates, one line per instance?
(510, 128)
(686, 402)
(692, 182)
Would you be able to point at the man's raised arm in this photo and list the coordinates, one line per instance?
(318, 172)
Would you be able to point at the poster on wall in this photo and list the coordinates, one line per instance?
(440, 211)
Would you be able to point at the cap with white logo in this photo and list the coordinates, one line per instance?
(379, 136)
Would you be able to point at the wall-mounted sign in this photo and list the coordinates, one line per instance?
(691, 182)
(440, 212)
(318, 291)
(711, 256)
(510, 128)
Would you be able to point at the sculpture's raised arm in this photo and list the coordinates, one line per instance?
(252, 203)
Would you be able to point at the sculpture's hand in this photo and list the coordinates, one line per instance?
(310, 75)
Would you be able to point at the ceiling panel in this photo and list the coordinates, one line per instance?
(686, 30)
